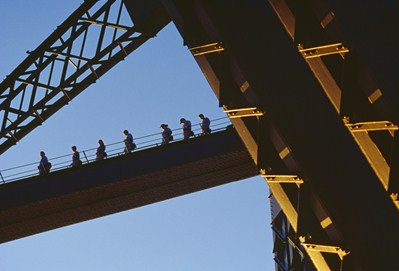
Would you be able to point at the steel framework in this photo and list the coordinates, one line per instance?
(362, 105)
(97, 36)
(240, 47)
(319, 187)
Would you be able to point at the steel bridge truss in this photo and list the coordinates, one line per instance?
(306, 224)
(97, 36)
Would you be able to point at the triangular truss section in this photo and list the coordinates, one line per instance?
(97, 36)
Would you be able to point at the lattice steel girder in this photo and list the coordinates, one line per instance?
(83, 48)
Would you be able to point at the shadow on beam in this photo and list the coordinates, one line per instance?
(62, 198)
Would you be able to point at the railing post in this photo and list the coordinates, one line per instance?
(1, 175)
(87, 160)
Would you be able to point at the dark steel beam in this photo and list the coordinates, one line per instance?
(350, 85)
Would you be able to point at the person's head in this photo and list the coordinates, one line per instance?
(100, 142)
(182, 120)
(201, 116)
(126, 132)
(74, 148)
(164, 126)
(42, 153)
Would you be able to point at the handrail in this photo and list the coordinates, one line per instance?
(142, 143)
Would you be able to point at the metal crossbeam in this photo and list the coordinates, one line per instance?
(244, 112)
(315, 253)
(372, 126)
(324, 50)
(328, 249)
(107, 24)
(283, 179)
(207, 49)
(23, 107)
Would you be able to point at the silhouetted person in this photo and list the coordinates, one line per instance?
(100, 154)
(75, 157)
(129, 144)
(44, 165)
(186, 128)
(166, 134)
(205, 124)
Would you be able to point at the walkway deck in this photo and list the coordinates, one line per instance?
(39, 204)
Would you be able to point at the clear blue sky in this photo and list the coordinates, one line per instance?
(224, 228)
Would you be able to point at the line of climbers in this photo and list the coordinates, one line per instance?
(45, 166)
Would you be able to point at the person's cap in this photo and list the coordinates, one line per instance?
(164, 125)
(125, 131)
(182, 119)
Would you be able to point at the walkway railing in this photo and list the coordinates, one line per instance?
(112, 150)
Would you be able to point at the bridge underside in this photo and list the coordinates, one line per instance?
(117, 184)
(309, 87)
(329, 189)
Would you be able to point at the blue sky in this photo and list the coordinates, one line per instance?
(224, 228)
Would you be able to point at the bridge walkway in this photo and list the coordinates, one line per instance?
(41, 203)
